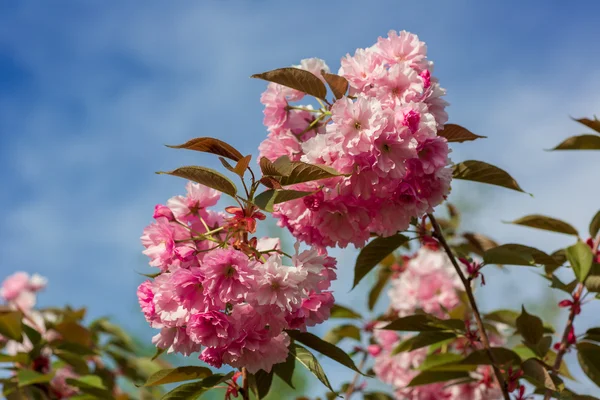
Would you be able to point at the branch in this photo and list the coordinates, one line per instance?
(438, 234)
(352, 385)
(564, 343)
(245, 385)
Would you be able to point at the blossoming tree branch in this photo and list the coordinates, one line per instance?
(359, 157)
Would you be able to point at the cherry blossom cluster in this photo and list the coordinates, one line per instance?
(382, 137)
(399, 369)
(224, 294)
(427, 282)
(19, 293)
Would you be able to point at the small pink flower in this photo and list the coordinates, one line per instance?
(198, 198)
(228, 275)
(211, 329)
(146, 299)
(59, 386)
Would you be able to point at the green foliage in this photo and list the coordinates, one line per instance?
(266, 200)
(580, 257)
(374, 253)
(207, 177)
(10, 325)
(546, 223)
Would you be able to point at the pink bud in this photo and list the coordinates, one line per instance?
(374, 350)
(162, 211)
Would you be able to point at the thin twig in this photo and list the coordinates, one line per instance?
(352, 385)
(480, 327)
(245, 384)
(564, 343)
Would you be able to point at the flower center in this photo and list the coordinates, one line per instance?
(229, 272)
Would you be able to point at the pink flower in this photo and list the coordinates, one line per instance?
(145, 296)
(358, 122)
(276, 284)
(175, 340)
(433, 154)
(19, 290)
(213, 356)
(211, 328)
(228, 275)
(362, 69)
(317, 307)
(162, 211)
(198, 198)
(59, 386)
(428, 283)
(164, 243)
(402, 47)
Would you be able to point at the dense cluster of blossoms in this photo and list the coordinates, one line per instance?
(382, 137)
(427, 281)
(223, 294)
(18, 292)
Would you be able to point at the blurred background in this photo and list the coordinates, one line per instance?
(91, 91)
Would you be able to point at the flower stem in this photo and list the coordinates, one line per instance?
(438, 234)
(245, 385)
(352, 386)
(564, 343)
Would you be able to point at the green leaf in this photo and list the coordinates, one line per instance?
(423, 339)
(178, 374)
(541, 348)
(425, 323)
(193, 390)
(580, 257)
(207, 177)
(501, 355)
(211, 145)
(508, 317)
(558, 284)
(478, 171)
(34, 336)
(377, 396)
(479, 243)
(550, 359)
(266, 200)
(427, 377)
(323, 347)
(517, 254)
(92, 385)
(588, 355)
(592, 283)
(375, 252)
(536, 371)
(285, 370)
(262, 383)
(103, 325)
(338, 311)
(456, 133)
(439, 359)
(337, 84)
(28, 377)
(336, 334)
(382, 278)
(299, 172)
(21, 358)
(546, 223)
(296, 78)
(595, 225)
(307, 359)
(11, 326)
(581, 142)
(530, 327)
(76, 361)
(74, 333)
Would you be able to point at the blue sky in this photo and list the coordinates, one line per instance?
(90, 92)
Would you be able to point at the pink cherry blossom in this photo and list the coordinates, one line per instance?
(228, 275)
(211, 328)
(429, 283)
(188, 208)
